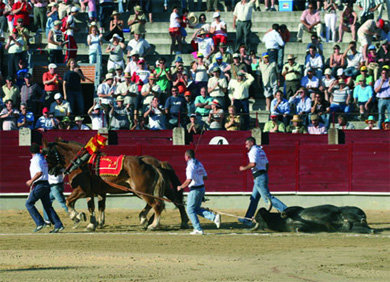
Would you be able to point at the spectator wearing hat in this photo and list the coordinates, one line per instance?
(203, 104)
(382, 90)
(310, 82)
(326, 81)
(296, 126)
(281, 107)
(371, 123)
(115, 50)
(314, 61)
(174, 31)
(194, 127)
(9, 116)
(79, 124)
(10, 92)
(128, 91)
(155, 114)
(292, 75)
(178, 63)
(24, 34)
(218, 29)
(55, 40)
(343, 124)
(72, 87)
(205, 44)
(22, 10)
(71, 45)
(336, 60)
(366, 32)
(94, 41)
(242, 21)
(301, 102)
(65, 123)
(46, 121)
(372, 61)
(106, 90)
(14, 46)
(239, 94)
(137, 22)
(348, 20)
(274, 125)
(60, 107)
(316, 127)
(52, 82)
(364, 75)
(189, 103)
(310, 22)
(273, 42)
(269, 76)
(31, 94)
(39, 13)
(132, 64)
(98, 116)
(340, 98)
(138, 44)
(363, 95)
(237, 66)
(227, 57)
(215, 119)
(386, 124)
(141, 75)
(175, 108)
(221, 65)
(180, 79)
(217, 87)
(26, 118)
(354, 60)
(321, 108)
(116, 26)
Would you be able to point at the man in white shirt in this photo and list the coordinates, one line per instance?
(242, 21)
(217, 87)
(273, 41)
(205, 44)
(314, 61)
(258, 164)
(354, 60)
(60, 107)
(139, 45)
(106, 90)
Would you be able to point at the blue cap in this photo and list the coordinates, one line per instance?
(179, 60)
(371, 47)
(265, 54)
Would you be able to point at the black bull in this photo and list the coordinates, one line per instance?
(325, 218)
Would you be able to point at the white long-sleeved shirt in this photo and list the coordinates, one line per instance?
(273, 40)
(240, 90)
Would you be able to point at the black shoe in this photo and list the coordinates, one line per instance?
(38, 228)
(56, 230)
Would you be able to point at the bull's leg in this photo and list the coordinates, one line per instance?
(158, 207)
(92, 219)
(143, 219)
(101, 209)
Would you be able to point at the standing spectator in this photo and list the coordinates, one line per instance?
(237, 66)
(94, 41)
(316, 42)
(15, 49)
(32, 95)
(10, 92)
(40, 190)
(314, 61)
(226, 56)
(22, 9)
(156, 115)
(281, 107)
(348, 21)
(46, 121)
(174, 31)
(24, 34)
(72, 87)
(163, 76)
(137, 22)
(233, 121)
(199, 70)
(337, 60)
(273, 42)
(106, 7)
(330, 19)
(175, 108)
(296, 126)
(60, 107)
(91, 9)
(115, 50)
(64, 9)
(205, 44)
(52, 82)
(285, 34)
(274, 125)
(292, 75)
(258, 164)
(26, 118)
(367, 8)
(98, 116)
(269, 75)
(342, 123)
(301, 102)
(195, 176)
(310, 22)
(242, 22)
(116, 26)
(382, 90)
(40, 13)
(3, 20)
(354, 60)
(321, 108)
(120, 115)
(371, 122)
(267, 7)
(340, 97)
(367, 31)
(139, 45)
(215, 120)
(79, 124)
(71, 45)
(316, 127)
(9, 115)
(363, 96)
(55, 44)
(218, 29)
(106, 91)
(126, 90)
(217, 87)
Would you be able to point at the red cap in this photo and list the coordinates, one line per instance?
(274, 116)
(187, 93)
(45, 110)
(381, 23)
(181, 88)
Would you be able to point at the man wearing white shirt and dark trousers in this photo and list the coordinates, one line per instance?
(195, 176)
(273, 41)
(242, 21)
(40, 190)
(258, 163)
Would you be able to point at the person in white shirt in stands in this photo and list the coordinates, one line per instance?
(156, 115)
(60, 107)
(316, 127)
(310, 82)
(273, 41)
(139, 45)
(218, 29)
(98, 116)
(242, 21)
(195, 176)
(174, 31)
(314, 61)
(205, 44)
(106, 90)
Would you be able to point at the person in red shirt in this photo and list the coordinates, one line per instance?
(22, 9)
(52, 82)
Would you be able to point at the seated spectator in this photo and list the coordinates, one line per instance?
(342, 122)
(79, 124)
(120, 115)
(32, 95)
(132, 63)
(316, 127)
(364, 75)
(215, 120)
(347, 79)
(219, 63)
(348, 21)
(55, 43)
(382, 90)
(269, 75)
(115, 50)
(119, 75)
(190, 103)
(217, 87)
(281, 107)
(274, 125)
(383, 53)
(52, 82)
(218, 29)
(194, 127)
(148, 91)
(233, 121)
(310, 82)
(98, 116)
(310, 22)
(139, 45)
(10, 92)
(46, 121)
(180, 79)
(21, 73)
(65, 123)
(106, 90)
(227, 57)
(326, 82)
(292, 75)
(203, 104)
(205, 44)
(60, 107)
(141, 75)
(177, 64)
(363, 95)
(386, 124)
(175, 108)
(301, 102)
(366, 32)
(296, 126)
(9, 115)
(156, 115)
(315, 41)
(372, 61)
(321, 108)
(371, 122)
(314, 61)
(354, 60)
(336, 60)
(340, 97)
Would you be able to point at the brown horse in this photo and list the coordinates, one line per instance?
(58, 157)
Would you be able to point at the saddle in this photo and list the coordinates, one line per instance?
(105, 165)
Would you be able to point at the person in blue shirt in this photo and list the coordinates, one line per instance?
(26, 118)
(363, 95)
(281, 107)
(175, 108)
(46, 121)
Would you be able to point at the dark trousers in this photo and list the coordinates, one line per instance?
(242, 107)
(292, 87)
(105, 11)
(56, 57)
(40, 15)
(13, 63)
(243, 30)
(42, 192)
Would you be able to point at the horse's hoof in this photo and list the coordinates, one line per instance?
(152, 228)
(254, 228)
(100, 226)
(143, 220)
(82, 216)
(72, 215)
(91, 227)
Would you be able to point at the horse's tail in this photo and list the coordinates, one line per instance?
(174, 181)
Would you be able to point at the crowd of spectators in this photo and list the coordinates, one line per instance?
(214, 91)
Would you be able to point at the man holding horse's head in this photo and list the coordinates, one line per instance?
(195, 176)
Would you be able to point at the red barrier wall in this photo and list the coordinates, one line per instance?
(294, 166)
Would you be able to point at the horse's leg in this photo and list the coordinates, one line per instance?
(143, 219)
(101, 209)
(158, 207)
(77, 193)
(92, 219)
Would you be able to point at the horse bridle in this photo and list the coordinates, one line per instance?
(54, 159)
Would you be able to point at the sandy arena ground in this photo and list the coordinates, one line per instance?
(123, 251)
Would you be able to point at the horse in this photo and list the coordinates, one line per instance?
(61, 153)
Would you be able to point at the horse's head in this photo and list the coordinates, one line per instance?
(55, 160)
